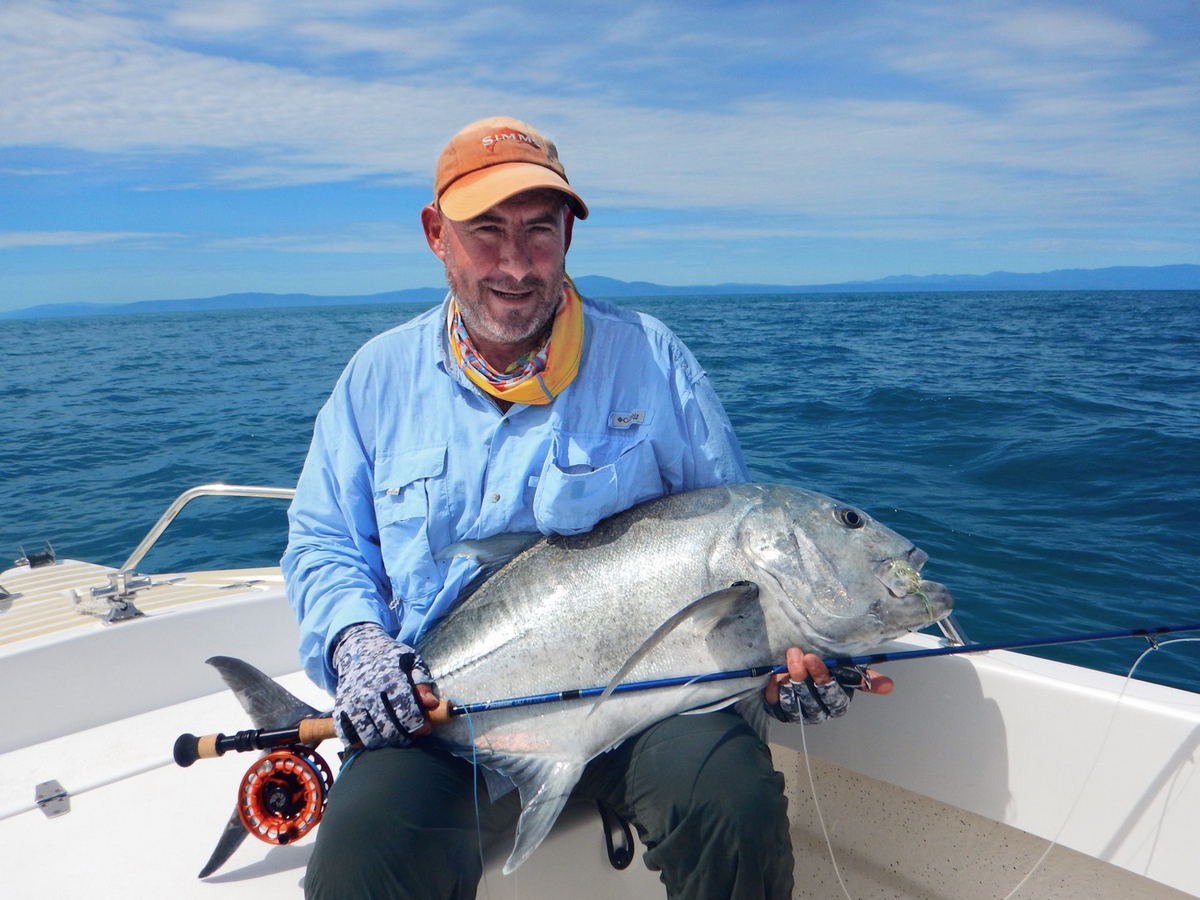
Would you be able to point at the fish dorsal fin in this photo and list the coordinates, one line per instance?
(490, 553)
(496, 550)
(268, 703)
(704, 613)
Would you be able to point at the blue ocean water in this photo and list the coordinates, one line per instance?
(1041, 447)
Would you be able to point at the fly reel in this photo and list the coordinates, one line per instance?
(282, 796)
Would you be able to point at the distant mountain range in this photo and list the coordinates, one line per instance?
(1114, 278)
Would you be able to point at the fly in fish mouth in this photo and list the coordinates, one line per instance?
(902, 578)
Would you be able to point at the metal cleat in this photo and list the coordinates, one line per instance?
(114, 601)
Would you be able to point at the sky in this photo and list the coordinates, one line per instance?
(203, 147)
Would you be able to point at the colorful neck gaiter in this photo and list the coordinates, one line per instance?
(537, 377)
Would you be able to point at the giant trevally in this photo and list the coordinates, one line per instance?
(717, 579)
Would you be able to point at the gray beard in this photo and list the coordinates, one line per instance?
(519, 331)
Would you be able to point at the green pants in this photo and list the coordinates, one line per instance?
(701, 791)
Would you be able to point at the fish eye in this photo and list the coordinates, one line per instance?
(851, 518)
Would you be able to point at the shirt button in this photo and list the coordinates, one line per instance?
(495, 498)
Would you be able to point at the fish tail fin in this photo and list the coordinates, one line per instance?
(231, 838)
(268, 703)
(545, 788)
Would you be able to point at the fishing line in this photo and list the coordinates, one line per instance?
(1154, 645)
(475, 795)
(812, 783)
(1112, 719)
(345, 765)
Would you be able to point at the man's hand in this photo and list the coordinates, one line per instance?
(808, 693)
(383, 689)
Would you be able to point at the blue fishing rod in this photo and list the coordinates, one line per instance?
(310, 732)
(836, 663)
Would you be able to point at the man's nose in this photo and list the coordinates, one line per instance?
(514, 256)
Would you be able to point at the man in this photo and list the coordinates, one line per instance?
(516, 406)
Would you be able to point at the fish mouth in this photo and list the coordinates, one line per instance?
(900, 575)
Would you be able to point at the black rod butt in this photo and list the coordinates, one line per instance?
(186, 750)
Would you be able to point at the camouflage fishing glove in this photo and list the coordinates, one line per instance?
(376, 703)
(810, 703)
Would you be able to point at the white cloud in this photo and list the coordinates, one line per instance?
(1077, 32)
(942, 113)
(386, 239)
(86, 83)
(11, 240)
(217, 17)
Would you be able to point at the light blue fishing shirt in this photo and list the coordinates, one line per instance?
(408, 457)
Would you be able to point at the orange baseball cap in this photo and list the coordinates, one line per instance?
(494, 159)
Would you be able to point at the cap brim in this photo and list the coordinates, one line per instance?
(477, 192)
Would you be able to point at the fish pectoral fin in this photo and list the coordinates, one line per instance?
(545, 787)
(704, 614)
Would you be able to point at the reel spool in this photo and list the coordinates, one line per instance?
(282, 796)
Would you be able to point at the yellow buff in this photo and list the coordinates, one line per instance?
(537, 378)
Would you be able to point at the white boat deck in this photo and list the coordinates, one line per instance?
(950, 789)
(55, 599)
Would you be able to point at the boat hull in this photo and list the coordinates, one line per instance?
(952, 787)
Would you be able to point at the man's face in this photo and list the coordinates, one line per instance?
(506, 267)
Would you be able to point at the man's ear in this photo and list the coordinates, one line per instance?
(431, 222)
(568, 227)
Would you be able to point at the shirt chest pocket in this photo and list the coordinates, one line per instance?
(409, 502)
(587, 478)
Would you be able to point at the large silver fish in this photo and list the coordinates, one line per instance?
(723, 578)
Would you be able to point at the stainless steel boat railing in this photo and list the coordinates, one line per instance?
(203, 490)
